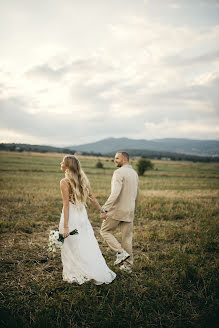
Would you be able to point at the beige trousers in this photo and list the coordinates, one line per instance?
(108, 226)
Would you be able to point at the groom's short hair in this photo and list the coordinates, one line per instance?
(124, 154)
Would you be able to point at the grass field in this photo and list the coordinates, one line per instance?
(175, 275)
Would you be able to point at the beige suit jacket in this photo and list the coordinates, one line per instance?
(124, 193)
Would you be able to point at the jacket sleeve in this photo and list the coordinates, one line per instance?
(116, 186)
(137, 197)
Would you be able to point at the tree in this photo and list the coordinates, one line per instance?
(99, 165)
(144, 165)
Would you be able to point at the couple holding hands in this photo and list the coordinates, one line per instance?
(81, 257)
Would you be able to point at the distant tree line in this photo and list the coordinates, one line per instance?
(168, 156)
(85, 153)
(132, 152)
(42, 149)
(34, 148)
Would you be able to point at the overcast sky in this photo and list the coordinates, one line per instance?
(77, 71)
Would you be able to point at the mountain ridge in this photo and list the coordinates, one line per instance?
(178, 145)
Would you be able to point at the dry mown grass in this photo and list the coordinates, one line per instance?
(174, 280)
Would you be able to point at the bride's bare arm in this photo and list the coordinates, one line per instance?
(93, 199)
(65, 198)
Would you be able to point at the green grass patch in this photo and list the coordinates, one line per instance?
(175, 274)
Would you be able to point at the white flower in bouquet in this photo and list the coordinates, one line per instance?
(56, 240)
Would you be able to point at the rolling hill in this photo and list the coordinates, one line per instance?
(183, 146)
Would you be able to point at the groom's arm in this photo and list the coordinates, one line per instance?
(116, 187)
(137, 197)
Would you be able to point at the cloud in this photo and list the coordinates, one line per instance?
(127, 74)
(158, 39)
(209, 4)
(56, 128)
(137, 114)
(205, 58)
(174, 5)
(46, 71)
(99, 98)
(204, 95)
(198, 129)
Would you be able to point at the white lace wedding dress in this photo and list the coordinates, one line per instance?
(81, 257)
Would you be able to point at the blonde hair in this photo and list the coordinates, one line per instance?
(77, 180)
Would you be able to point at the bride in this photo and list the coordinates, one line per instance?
(81, 257)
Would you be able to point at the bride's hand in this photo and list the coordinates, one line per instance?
(65, 232)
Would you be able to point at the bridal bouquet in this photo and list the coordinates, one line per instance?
(56, 240)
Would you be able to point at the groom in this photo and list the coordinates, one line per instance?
(118, 211)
